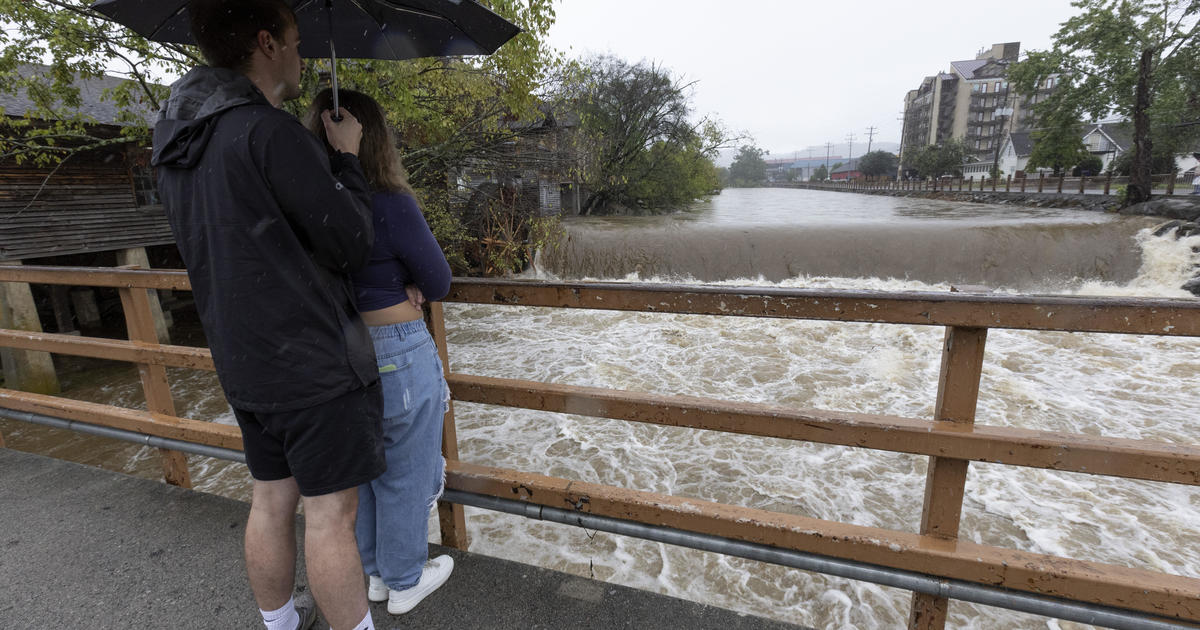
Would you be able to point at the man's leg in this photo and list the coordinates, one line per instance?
(331, 554)
(271, 542)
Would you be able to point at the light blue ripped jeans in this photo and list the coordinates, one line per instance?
(393, 510)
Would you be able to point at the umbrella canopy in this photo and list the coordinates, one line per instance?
(364, 29)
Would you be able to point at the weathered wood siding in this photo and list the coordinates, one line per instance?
(79, 210)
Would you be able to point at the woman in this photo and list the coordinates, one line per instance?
(406, 267)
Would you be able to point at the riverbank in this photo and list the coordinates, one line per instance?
(1182, 207)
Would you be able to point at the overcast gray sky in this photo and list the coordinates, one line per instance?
(794, 73)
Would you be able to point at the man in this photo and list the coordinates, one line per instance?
(269, 226)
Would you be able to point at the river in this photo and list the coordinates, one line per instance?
(1086, 383)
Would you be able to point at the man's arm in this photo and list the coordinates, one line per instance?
(329, 205)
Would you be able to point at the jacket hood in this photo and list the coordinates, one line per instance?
(186, 121)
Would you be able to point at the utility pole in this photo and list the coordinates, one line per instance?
(850, 148)
(870, 136)
(828, 146)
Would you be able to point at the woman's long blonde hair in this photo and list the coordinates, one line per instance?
(377, 152)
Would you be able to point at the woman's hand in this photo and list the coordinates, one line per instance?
(414, 295)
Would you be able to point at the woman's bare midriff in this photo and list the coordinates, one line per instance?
(395, 314)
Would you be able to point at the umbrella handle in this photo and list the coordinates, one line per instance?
(333, 82)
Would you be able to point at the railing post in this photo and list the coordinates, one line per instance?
(140, 321)
(1061, 178)
(958, 392)
(1008, 183)
(451, 517)
(994, 183)
(1107, 182)
(1024, 178)
(970, 184)
(1171, 182)
(1082, 182)
(1041, 181)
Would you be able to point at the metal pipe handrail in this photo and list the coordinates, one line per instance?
(125, 435)
(1082, 612)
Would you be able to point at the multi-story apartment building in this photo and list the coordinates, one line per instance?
(972, 103)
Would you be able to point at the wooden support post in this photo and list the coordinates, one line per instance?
(1108, 182)
(451, 517)
(1171, 182)
(136, 258)
(1024, 178)
(994, 178)
(60, 299)
(140, 320)
(1082, 183)
(970, 184)
(1061, 178)
(958, 393)
(87, 311)
(26, 370)
(1041, 181)
(1008, 183)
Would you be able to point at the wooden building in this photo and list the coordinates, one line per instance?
(100, 200)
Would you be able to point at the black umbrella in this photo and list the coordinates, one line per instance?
(363, 29)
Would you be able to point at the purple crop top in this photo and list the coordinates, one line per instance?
(404, 253)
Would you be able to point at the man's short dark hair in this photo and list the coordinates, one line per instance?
(227, 30)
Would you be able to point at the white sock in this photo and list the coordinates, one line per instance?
(366, 623)
(285, 618)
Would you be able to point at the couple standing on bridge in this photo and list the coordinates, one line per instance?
(309, 259)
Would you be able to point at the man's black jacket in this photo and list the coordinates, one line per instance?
(269, 234)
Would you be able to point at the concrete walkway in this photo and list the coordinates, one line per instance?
(82, 547)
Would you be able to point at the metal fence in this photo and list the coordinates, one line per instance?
(1169, 184)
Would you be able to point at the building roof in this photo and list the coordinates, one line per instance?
(1022, 142)
(1120, 133)
(848, 167)
(91, 95)
(967, 68)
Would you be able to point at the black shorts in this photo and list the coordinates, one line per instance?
(329, 447)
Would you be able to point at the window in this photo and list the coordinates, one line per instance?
(997, 87)
(145, 186)
(977, 144)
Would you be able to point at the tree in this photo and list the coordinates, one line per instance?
(1135, 57)
(935, 161)
(819, 175)
(748, 168)
(448, 111)
(877, 163)
(1058, 148)
(1088, 166)
(1161, 161)
(637, 127)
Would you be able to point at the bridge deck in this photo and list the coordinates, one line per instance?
(83, 547)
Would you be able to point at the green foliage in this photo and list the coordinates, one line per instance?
(642, 148)
(1091, 165)
(819, 175)
(936, 161)
(748, 167)
(1098, 57)
(1162, 161)
(877, 163)
(449, 112)
(1059, 145)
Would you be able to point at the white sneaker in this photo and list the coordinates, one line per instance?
(434, 574)
(377, 591)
